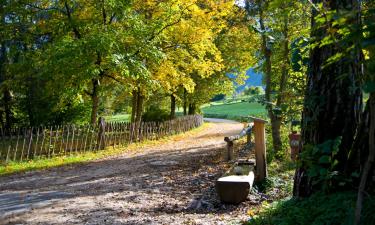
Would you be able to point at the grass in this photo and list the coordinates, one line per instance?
(319, 209)
(118, 118)
(236, 109)
(335, 208)
(12, 167)
(232, 108)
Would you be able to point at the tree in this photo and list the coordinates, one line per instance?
(254, 90)
(278, 24)
(333, 99)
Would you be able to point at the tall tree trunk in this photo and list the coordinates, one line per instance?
(7, 109)
(95, 101)
(276, 119)
(173, 107)
(192, 109)
(2, 123)
(6, 101)
(286, 63)
(139, 112)
(275, 131)
(366, 172)
(134, 105)
(333, 99)
(267, 56)
(185, 102)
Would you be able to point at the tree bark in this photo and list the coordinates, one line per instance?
(286, 63)
(275, 131)
(276, 119)
(369, 163)
(95, 100)
(333, 100)
(7, 109)
(7, 97)
(267, 56)
(173, 107)
(140, 100)
(192, 109)
(185, 102)
(267, 52)
(138, 113)
(134, 105)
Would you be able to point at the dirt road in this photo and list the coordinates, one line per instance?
(168, 183)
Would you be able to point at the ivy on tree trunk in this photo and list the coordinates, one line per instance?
(333, 98)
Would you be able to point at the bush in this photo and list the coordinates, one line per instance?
(155, 114)
(285, 153)
(218, 97)
(319, 209)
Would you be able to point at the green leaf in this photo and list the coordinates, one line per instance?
(325, 159)
(313, 172)
(369, 86)
(323, 171)
(355, 174)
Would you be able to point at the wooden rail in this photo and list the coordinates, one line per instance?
(246, 131)
(47, 141)
(258, 128)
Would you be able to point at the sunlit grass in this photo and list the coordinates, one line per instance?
(118, 118)
(235, 111)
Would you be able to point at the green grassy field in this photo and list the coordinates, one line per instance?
(118, 118)
(236, 109)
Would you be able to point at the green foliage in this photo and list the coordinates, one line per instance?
(321, 164)
(254, 90)
(279, 183)
(218, 97)
(62, 59)
(319, 209)
(284, 154)
(156, 114)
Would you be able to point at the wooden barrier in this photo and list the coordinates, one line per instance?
(258, 128)
(246, 131)
(48, 141)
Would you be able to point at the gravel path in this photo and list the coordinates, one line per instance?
(169, 183)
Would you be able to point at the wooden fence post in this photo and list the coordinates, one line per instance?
(100, 144)
(260, 148)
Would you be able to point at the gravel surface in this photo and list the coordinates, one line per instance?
(168, 183)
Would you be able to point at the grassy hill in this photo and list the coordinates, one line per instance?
(234, 110)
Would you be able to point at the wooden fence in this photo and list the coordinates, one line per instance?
(45, 142)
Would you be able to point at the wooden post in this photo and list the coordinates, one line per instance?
(101, 134)
(260, 148)
(229, 148)
(248, 139)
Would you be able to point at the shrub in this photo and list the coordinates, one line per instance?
(319, 209)
(155, 114)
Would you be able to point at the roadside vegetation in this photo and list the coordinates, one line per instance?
(69, 63)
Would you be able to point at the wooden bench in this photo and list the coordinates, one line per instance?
(235, 185)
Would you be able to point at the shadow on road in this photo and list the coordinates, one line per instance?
(127, 189)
